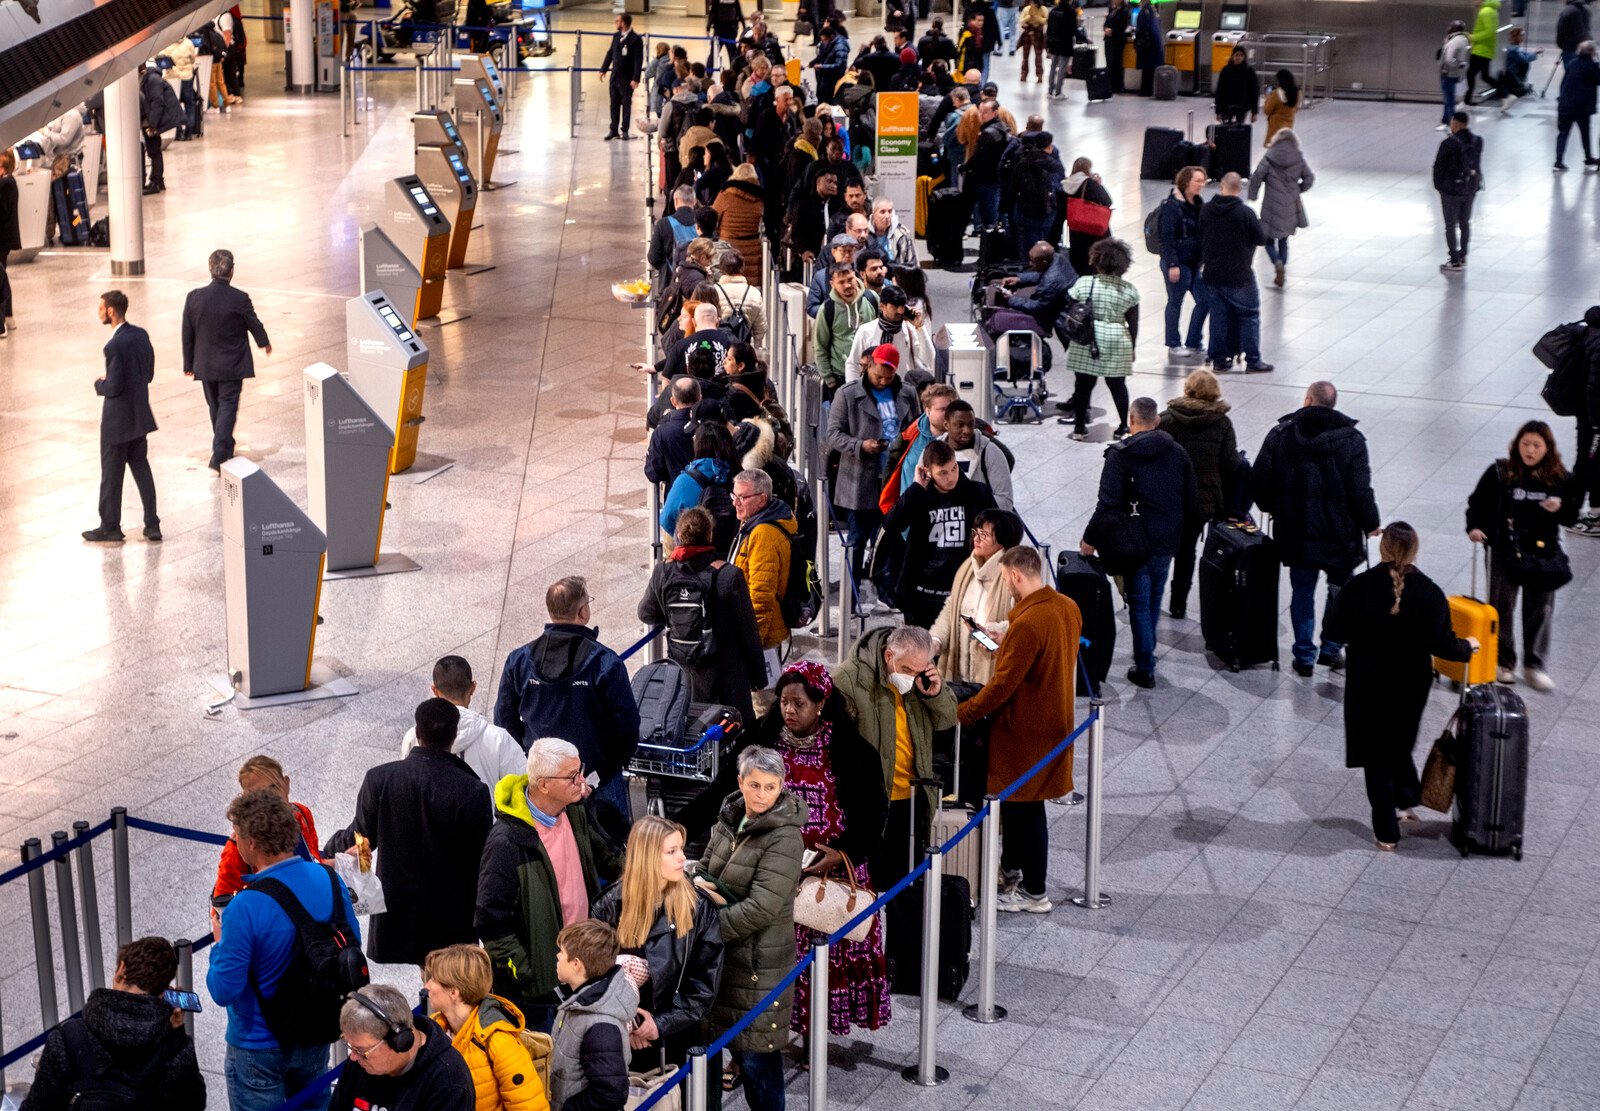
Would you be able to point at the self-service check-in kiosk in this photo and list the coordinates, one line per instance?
(443, 169)
(482, 65)
(272, 561)
(436, 128)
(1229, 33)
(384, 266)
(478, 115)
(420, 229)
(1183, 52)
(348, 446)
(389, 368)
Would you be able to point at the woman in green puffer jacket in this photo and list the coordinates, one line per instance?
(752, 870)
(1199, 422)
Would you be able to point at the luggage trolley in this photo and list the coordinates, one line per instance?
(1019, 390)
(671, 771)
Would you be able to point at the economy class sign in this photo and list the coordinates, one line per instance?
(897, 125)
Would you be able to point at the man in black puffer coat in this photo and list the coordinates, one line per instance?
(1314, 477)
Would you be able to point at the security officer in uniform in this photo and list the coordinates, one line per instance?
(625, 62)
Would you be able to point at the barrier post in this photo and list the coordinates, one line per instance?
(818, 1033)
(926, 1073)
(1092, 897)
(43, 959)
(94, 956)
(846, 586)
(575, 93)
(985, 1010)
(698, 1067)
(121, 889)
(185, 980)
(819, 493)
(71, 957)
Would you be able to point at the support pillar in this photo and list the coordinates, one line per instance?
(302, 45)
(125, 175)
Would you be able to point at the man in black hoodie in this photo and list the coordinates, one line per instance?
(1458, 175)
(1313, 476)
(1148, 468)
(938, 511)
(397, 1062)
(1230, 232)
(126, 1031)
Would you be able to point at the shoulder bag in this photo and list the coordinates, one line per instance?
(1528, 562)
(824, 903)
(1077, 322)
(1086, 216)
(1118, 535)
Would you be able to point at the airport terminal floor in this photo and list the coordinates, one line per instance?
(1258, 953)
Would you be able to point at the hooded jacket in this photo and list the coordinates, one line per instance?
(1061, 30)
(183, 58)
(1485, 28)
(1457, 166)
(1453, 54)
(438, 1080)
(1314, 477)
(684, 971)
(685, 490)
(834, 331)
(1284, 171)
(740, 205)
(988, 465)
(128, 1031)
(488, 750)
(589, 1044)
(1238, 89)
(158, 104)
(567, 684)
(518, 911)
(1230, 232)
(1572, 26)
(938, 528)
(663, 242)
(1204, 430)
(761, 551)
(1049, 297)
(756, 860)
(1578, 83)
(1150, 468)
(503, 1074)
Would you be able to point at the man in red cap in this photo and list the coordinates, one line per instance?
(908, 78)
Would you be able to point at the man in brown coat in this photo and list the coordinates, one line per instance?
(1030, 703)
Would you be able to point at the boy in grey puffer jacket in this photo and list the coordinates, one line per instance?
(589, 1043)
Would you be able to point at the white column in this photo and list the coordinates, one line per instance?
(302, 44)
(125, 174)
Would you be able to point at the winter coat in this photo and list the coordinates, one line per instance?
(438, 1080)
(1230, 232)
(1485, 28)
(1204, 430)
(518, 905)
(1280, 114)
(1284, 171)
(589, 1044)
(1238, 89)
(231, 869)
(834, 330)
(158, 104)
(1061, 29)
(852, 420)
(1457, 166)
(503, 1075)
(756, 863)
(862, 680)
(934, 45)
(1029, 698)
(962, 659)
(762, 551)
(1150, 468)
(671, 447)
(488, 750)
(1044, 296)
(1180, 232)
(685, 972)
(1572, 26)
(427, 817)
(737, 668)
(1578, 83)
(1314, 477)
(685, 490)
(567, 684)
(183, 58)
(1389, 659)
(127, 1030)
(1453, 55)
(1499, 504)
(1147, 38)
(740, 204)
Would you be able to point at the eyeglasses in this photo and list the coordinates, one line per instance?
(574, 779)
(744, 497)
(364, 1054)
(983, 534)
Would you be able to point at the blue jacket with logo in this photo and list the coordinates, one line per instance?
(567, 684)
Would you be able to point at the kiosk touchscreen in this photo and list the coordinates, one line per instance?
(347, 468)
(1182, 46)
(384, 266)
(389, 369)
(420, 229)
(436, 128)
(482, 65)
(272, 561)
(479, 114)
(443, 169)
(1230, 32)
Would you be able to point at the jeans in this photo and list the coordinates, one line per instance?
(1144, 588)
(1059, 65)
(1457, 224)
(1235, 322)
(1025, 843)
(861, 525)
(222, 399)
(1303, 611)
(761, 1076)
(1564, 124)
(132, 455)
(261, 1079)
(1183, 564)
(1538, 606)
(986, 205)
(1031, 230)
(1278, 251)
(1191, 283)
(189, 98)
(988, 54)
(1447, 90)
(1008, 31)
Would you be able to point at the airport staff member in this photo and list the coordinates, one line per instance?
(218, 323)
(625, 61)
(125, 421)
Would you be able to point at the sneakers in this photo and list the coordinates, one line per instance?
(1452, 267)
(1305, 671)
(1505, 105)
(1506, 676)
(104, 536)
(1537, 679)
(1560, 167)
(1119, 432)
(1079, 434)
(1020, 902)
(1010, 880)
(1586, 526)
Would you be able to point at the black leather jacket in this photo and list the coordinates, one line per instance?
(684, 972)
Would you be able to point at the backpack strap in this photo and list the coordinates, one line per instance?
(82, 1058)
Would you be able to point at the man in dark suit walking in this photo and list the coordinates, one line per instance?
(125, 421)
(218, 324)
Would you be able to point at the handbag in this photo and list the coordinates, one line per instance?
(643, 1085)
(824, 903)
(1087, 216)
(1300, 220)
(1077, 322)
(1439, 773)
(1118, 535)
(1529, 563)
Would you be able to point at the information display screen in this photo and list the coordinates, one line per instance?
(424, 202)
(488, 97)
(392, 318)
(1186, 19)
(1232, 21)
(457, 165)
(488, 67)
(450, 131)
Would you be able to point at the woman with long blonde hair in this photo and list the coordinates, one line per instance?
(1393, 620)
(660, 916)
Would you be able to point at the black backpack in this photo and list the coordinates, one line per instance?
(327, 964)
(1031, 179)
(802, 594)
(1562, 350)
(687, 600)
(97, 1085)
(735, 323)
(717, 500)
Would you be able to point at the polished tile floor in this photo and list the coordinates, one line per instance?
(1258, 953)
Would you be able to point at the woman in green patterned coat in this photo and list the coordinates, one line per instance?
(752, 870)
(1116, 328)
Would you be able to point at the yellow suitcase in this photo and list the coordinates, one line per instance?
(792, 67)
(1470, 617)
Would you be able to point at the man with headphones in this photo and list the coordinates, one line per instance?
(401, 1068)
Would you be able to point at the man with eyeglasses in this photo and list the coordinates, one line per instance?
(396, 1062)
(761, 549)
(538, 873)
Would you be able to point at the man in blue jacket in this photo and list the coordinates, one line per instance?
(1035, 299)
(254, 949)
(567, 684)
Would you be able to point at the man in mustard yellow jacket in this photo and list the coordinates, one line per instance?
(761, 550)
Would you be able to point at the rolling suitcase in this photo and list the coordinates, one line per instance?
(1166, 87)
(995, 245)
(924, 196)
(1470, 617)
(1082, 62)
(1099, 85)
(1159, 144)
(1230, 149)
(903, 923)
(72, 209)
(1081, 579)
(1491, 758)
(1189, 154)
(948, 212)
(1239, 595)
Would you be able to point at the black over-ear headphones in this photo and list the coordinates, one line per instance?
(399, 1038)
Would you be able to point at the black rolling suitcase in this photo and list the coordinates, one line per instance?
(1159, 145)
(995, 245)
(1189, 154)
(1230, 149)
(1099, 85)
(903, 920)
(1166, 83)
(1081, 579)
(1082, 62)
(1239, 595)
(72, 209)
(1491, 756)
(948, 212)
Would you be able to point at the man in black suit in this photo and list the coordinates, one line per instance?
(125, 421)
(218, 324)
(624, 61)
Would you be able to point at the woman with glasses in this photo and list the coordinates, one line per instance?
(977, 592)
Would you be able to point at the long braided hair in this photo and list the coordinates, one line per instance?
(1398, 548)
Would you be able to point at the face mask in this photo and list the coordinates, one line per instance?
(901, 683)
